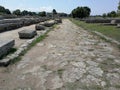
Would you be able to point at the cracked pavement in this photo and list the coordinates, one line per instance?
(69, 58)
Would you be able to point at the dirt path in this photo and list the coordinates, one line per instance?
(14, 35)
(70, 58)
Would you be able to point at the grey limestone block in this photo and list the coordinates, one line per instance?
(5, 62)
(9, 26)
(97, 20)
(5, 46)
(113, 22)
(118, 25)
(49, 23)
(39, 27)
(27, 34)
(10, 21)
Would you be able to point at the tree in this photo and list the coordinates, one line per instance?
(54, 12)
(25, 12)
(108, 15)
(104, 15)
(2, 9)
(17, 12)
(112, 14)
(88, 11)
(63, 14)
(118, 11)
(119, 7)
(30, 13)
(7, 11)
(81, 12)
(42, 14)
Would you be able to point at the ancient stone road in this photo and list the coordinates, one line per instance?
(70, 58)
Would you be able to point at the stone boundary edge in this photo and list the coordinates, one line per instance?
(107, 38)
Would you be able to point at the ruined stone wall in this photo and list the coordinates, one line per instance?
(10, 24)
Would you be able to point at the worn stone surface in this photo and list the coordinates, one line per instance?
(113, 22)
(49, 23)
(39, 27)
(27, 34)
(98, 21)
(70, 58)
(10, 24)
(5, 46)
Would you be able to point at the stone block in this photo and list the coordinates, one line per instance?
(5, 62)
(2, 27)
(39, 27)
(113, 22)
(49, 23)
(5, 46)
(10, 21)
(58, 21)
(109, 24)
(27, 34)
(9, 26)
(117, 21)
(98, 21)
(27, 22)
(118, 25)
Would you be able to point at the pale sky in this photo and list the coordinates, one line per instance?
(97, 6)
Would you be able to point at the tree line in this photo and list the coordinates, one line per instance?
(4, 10)
(18, 12)
(110, 14)
(83, 12)
(79, 12)
(113, 13)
